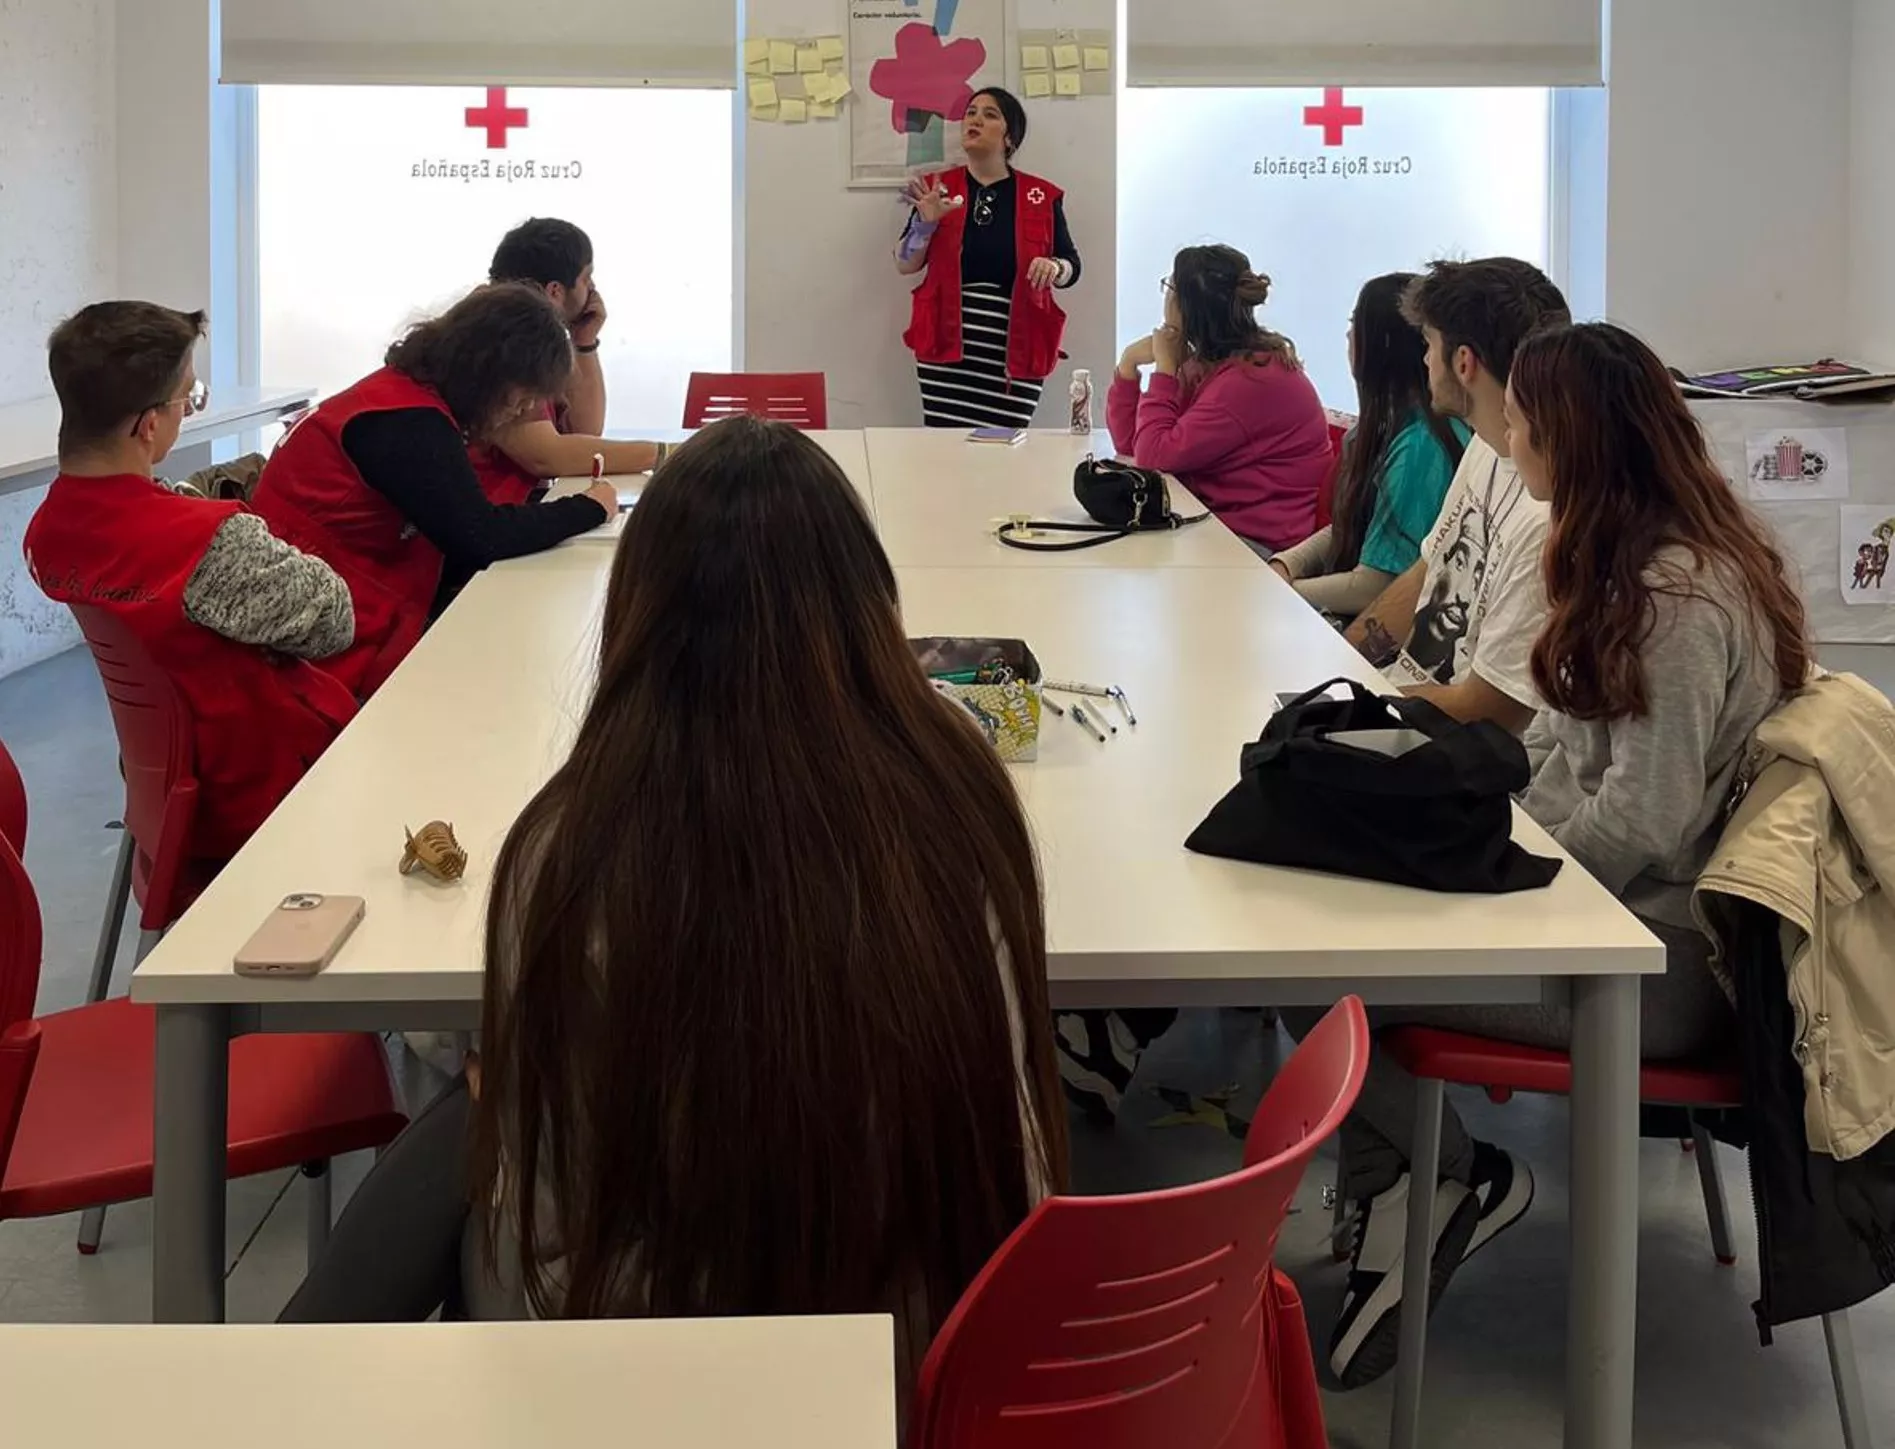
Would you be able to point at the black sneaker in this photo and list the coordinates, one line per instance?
(1367, 1337)
(1097, 1056)
(1504, 1185)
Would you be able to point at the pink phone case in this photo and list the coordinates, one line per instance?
(301, 936)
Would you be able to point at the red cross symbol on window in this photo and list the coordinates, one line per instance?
(497, 117)
(1333, 116)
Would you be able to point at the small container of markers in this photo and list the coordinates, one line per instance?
(997, 681)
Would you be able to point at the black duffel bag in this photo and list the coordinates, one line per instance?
(1388, 789)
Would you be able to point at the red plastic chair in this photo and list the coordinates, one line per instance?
(800, 399)
(76, 1109)
(1339, 425)
(1501, 1068)
(1125, 1322)
(161, 790)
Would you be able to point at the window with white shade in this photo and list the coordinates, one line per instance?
(378, 205)
(1364, 42)
(620, 43)
(1323, 188)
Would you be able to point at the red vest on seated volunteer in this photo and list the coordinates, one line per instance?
(259, 720)
(312, 495)
(1037, 324)
(501, 479)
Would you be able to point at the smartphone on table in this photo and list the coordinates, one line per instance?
(1007, 437)
(301, 936)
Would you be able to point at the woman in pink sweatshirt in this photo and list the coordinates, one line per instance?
(1229, 411)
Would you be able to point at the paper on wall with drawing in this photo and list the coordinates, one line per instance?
(1863, 554)
(1798, 465)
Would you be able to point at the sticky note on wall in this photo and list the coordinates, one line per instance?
(782, 57)
(809, 60)
(1098, 58)
(1066, 57)
(1066, 83)
(763, 94)
(830, 47)
(757, 57)
(1034, 57)
(822, 110)
(1038, 83)
(795, 111)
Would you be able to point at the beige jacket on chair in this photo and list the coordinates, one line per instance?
(1813, 840)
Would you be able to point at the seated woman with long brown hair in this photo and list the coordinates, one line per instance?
(1673, 629)
(775, 873)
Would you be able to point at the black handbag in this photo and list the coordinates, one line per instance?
(1388, 789)
(1121, 499)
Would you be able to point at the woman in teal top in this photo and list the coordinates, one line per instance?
(1397, 463)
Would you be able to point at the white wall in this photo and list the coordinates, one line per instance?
(819, 275)
(1872, 184)
(1729, 178)
(58, 242)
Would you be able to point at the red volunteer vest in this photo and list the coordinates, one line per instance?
(259, 720)
(1037, 324)
(501, 479)
(312, 496)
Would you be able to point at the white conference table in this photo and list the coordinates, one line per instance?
(29, 431)
(479, 715)
(710, 1383)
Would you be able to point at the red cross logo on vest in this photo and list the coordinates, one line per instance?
(1036, 196)
(496, 118)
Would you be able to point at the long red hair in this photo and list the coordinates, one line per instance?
(1631, 476)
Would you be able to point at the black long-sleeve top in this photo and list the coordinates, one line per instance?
(988, 249)
(417, 459)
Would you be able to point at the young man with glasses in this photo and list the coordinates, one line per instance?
(228, 611)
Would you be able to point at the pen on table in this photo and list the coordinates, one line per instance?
(1053, 705)
(598, 467)
(1067, 687)
(1085, 723)
(1125, 705)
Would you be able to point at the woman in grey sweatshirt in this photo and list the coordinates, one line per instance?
(1672, 630)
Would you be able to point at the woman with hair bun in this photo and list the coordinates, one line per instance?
(1229, 409)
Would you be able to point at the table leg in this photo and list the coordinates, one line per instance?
(191, 1094)
(1602, 1317)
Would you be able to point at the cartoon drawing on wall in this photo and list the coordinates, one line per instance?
(1799, 465)
(1866, 535)
(916, 64)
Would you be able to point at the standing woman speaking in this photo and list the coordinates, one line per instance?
(994, 244)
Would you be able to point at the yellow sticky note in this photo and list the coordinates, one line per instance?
(795, 112)
(757, 67)
(1034, 57)
(1098, 57)
(830, 47)
(1066, 83)
(1038, 83)
(838, 86)
(822, 110)
(1066, 57)
(808, 60)
(762, 93)
(756, 50)
(816, 87)
(782, 57)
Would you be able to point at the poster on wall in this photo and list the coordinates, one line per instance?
(1798, 465)
(915, 65)
(1866, 533)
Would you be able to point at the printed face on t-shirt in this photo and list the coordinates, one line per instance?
(1442, 620)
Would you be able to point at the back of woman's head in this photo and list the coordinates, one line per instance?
(1631, 476)
(1389, 357)
(744, 1018)
(498, 352)
(1218, 296)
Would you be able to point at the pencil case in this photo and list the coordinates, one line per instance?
(997, 681)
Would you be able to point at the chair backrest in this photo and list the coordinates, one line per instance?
(12, 804)
(155, 755)
(19, 984)
(1123, 1322)
(798, 398)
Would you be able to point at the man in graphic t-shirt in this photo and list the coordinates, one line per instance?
(1459, 627)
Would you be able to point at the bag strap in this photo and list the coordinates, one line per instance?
(1008, 532)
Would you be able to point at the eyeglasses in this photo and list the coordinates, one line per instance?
(194, 401)
(983, 207)
(1166, 286)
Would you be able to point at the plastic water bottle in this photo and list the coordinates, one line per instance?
(1082, 402)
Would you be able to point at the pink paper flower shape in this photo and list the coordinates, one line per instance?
(926, 74)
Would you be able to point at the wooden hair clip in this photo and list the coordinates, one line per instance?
(434, 849)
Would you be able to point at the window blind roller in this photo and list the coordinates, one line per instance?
(1363, 42)
(480, 42)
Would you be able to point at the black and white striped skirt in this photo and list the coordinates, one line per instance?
(976, 391)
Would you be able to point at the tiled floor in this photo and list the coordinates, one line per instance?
(1496, 1370)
